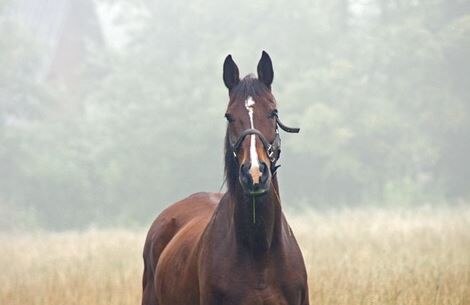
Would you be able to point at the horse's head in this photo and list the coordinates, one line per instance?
(252, 140)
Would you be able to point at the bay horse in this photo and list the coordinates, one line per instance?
(234, 248)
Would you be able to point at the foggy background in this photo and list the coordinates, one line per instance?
(111, 110)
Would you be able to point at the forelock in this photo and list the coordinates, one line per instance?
(250, 86)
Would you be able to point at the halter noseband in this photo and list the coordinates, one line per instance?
(273, 149)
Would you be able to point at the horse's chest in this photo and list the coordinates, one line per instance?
(267, 296)
(261, 288)
(254, 296)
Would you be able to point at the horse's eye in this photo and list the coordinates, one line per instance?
(229, 117)
(273, 114)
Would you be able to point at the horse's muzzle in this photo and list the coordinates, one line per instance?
(255, 181)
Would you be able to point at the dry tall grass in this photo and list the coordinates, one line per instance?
(353, 257)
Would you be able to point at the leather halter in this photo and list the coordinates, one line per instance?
(273, 149)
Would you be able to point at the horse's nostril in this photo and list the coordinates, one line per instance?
(245, 173)
(263, 168)
(245, 168)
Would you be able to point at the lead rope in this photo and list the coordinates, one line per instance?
(254, 209)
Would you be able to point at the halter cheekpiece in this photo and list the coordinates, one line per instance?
(273, 149)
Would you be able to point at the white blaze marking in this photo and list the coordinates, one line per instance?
(249, 103)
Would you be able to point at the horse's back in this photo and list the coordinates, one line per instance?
(182, 222)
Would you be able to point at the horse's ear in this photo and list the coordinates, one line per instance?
(231, 74)
(265, 70)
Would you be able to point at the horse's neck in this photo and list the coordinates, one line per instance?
(257, 220)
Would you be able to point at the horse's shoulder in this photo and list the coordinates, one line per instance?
(175, 216)
(205, 197)
(191, 205)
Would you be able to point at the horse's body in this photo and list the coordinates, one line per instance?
(232, 248)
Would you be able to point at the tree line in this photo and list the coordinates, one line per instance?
(380, 90)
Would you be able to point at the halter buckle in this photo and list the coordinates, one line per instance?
(270, 152)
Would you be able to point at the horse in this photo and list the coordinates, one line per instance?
(234, 248)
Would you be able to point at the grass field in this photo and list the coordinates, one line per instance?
(367, 256)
